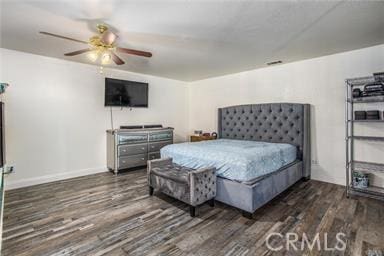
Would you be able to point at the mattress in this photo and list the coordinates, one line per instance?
(238, 160)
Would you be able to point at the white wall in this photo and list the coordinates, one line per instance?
(56, 119)
(319, 82)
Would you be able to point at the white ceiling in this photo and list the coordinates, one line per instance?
(192, 40)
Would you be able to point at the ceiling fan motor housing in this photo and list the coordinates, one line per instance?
(102, 28)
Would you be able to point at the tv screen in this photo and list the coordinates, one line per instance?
(123, 93)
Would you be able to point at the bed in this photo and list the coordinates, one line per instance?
(261, 150)
(239, 160)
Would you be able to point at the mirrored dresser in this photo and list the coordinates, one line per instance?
(128, 148)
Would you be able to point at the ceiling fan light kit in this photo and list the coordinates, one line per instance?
(106, 58)
(102, 46)
(93, 56)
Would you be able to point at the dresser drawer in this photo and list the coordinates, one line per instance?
(160, 136)
(156, 146)
(132, 161)
(125, 150)
(131, 138)
(154, 155)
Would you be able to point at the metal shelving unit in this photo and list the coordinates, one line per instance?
(352, 164)
(368, 138)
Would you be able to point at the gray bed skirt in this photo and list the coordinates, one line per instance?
(251, 197)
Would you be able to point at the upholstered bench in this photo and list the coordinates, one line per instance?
(191, 186)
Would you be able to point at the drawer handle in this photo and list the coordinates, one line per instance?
(123, 162)
(142, 159)
(142, 148)
(152, 146)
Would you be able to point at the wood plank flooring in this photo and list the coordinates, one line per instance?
(104, 214)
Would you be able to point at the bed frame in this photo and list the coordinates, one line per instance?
(273, 122)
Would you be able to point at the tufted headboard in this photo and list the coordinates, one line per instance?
(271, 122)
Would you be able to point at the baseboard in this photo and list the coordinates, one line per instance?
(318, 174)
(338, 181)
(49, 178)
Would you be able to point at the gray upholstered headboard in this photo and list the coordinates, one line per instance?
(271, 122)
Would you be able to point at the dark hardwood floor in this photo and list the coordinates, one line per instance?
(104, 214)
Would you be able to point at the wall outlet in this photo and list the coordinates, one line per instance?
(9, 169)
(315, 162)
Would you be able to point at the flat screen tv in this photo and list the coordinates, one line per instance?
(121, 93)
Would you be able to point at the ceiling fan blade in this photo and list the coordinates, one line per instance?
(77, 52)
(117, 59)
(134, 52)
(63, 37)
(108, 37)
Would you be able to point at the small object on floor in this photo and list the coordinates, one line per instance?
(194, 187)
(360, 180)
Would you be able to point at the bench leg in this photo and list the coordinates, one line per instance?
(211, 202)
(192, 211)
(150, 190)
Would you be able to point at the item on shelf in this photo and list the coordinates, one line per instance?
(153, 126)
(147, 126)
(360, 115)
(360, 180)
(214, 134)
(371, 89)
(131, 127)
(356, 93)
(196, 138)
(206, 134)
(370, 94)
(198, 132)
(373, 115)
(379, 76)
(374, 87)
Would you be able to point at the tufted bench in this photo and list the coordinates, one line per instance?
(193, 187)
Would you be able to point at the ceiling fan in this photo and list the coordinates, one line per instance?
(102, 46)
